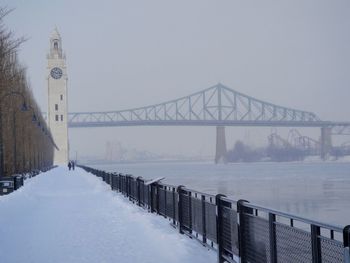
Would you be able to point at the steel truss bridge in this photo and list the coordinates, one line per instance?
(214, 106)
(217, 106)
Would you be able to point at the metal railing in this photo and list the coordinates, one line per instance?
(9, 184)
(238, 230)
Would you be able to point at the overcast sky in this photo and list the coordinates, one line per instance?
(123, 54)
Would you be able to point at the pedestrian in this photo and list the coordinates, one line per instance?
(69, 165)
(73, 165)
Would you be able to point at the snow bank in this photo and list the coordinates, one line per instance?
(73, 217)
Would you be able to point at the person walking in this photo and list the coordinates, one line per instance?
(69, 165)
(73, 165)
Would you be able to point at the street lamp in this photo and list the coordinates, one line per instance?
(34, 121)
(41, 125)
(24, 108)
(14, 132)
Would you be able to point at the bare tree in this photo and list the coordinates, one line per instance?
(26, 141)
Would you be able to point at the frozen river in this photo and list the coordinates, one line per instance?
(318, 191)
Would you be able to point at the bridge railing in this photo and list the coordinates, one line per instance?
(238, 230)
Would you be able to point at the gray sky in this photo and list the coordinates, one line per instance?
(123, 54)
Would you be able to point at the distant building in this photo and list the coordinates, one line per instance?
(57, 97)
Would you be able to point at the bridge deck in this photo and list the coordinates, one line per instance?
(63, 216)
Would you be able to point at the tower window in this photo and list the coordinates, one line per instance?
(56, 106)
(61, 97)
(55, 45)
(61, 117)
(56, 117)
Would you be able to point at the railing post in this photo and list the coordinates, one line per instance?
(190, 210)
(179, 210)
(316, 244)
(127, 183)
(138, 194)
(15, 187)
(204, 240)
(154, 201)
(116, 181)
(110, 180)
(241, 210)
(111, 176)
(346, 237)
(219, 227)
(125, 188)
(174, 206)
(272, 237)
(151, 197)
(157, 197)
(129, 187)
(165, 205)
(120, 181)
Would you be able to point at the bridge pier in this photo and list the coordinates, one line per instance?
(326, 141)
(221, 150)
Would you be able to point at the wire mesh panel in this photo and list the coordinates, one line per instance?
(108, 178)
(117, 182)
(146, 194)
(142, 193)
(154, 196)
(293, 244)
(229, 235)
(123, 184)
(255, 242)
(129, 186)
(170, 204)
(120, 183)
(185, 201)
(126, 185)
(332, 251)
(134, 188)
(162, 201)
(210, 221)
(114, 182)
(176, 196)
(197, 215)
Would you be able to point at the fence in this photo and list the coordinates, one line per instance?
(238, 230)
(8, 184)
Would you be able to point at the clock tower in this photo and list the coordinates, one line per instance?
(57, 98)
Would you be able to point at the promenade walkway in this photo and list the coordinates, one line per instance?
(73, 217)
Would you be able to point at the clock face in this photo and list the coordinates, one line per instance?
(56, 73)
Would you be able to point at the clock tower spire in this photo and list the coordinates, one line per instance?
(57, 97)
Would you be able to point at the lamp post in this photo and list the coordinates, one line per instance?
(14, 132)
(37, 155)
(34, 149)
(24, 107)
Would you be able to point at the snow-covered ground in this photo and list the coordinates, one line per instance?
(73, 217)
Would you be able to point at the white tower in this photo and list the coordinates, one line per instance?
(57, 97)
